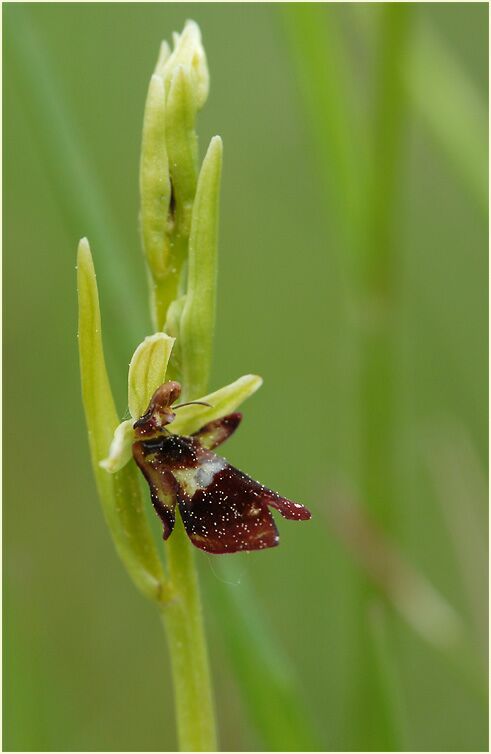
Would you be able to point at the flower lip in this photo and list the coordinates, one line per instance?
(223, 510)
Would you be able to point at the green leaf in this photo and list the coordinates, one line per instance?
(120, 492)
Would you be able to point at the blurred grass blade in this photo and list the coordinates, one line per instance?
(387, 132)
(460, 485)
(386, 663)
(361, 192)
(416, 600)
(447, 100)
(119, 493)
(323, 70)
(267, 680)
(378, 388)
(411, 595)
(451, 106)
(76, 187)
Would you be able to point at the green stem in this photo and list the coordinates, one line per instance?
(183, 620)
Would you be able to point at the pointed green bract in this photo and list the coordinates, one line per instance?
(119, 493)
(182, 147)
(164, 54)
(198, 317)
(155, 200)
(188, 52)
(155, 189)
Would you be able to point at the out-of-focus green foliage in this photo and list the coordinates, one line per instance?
(293, 202)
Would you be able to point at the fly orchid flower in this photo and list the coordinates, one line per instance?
(222, 509)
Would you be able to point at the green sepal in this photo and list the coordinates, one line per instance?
(147, 371)
(222, 402)
(120, 450)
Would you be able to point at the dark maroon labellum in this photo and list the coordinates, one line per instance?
(223, 510)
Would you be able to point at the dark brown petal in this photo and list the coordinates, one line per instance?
(212, 435)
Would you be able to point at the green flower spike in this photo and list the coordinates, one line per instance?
(169, 164)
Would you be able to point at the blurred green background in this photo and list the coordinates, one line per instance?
(353, 278)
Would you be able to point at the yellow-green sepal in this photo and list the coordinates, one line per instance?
(222, 402)
(147, 371)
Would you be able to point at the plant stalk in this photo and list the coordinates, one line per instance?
(182, 617)
(179, 216)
